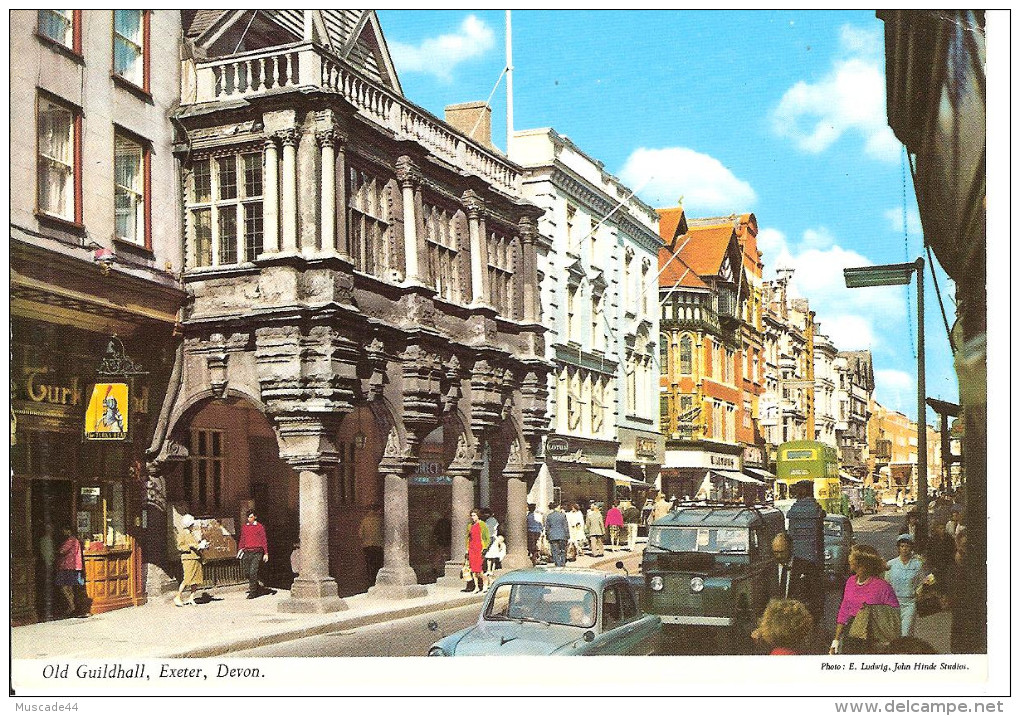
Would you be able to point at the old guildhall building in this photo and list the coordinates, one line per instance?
(334, 302)
(599, 304)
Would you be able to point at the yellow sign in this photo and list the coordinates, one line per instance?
(107, 415)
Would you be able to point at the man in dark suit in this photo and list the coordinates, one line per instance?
(796, 578)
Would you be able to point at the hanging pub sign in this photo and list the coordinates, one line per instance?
(106, 417)
(107, 413)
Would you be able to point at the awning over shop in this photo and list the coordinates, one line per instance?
(737, 476)
(849, 478)
(618, 478)
(760, 474)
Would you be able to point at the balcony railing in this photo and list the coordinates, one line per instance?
(306, 65)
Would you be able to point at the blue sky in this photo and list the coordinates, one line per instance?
(779, 113)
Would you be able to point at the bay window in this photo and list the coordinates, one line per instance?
(226, 209)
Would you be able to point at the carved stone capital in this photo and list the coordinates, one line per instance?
(308, 442)
(408, 173)
(473, 203)
(332, 137)
(270, 142)
(289, 137)
(528, 229)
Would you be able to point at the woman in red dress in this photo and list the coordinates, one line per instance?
(476, 543)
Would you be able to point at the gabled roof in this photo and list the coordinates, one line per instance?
(706, 247)
(353, 35)
(677, 270)
(672, 224)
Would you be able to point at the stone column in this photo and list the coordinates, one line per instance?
(271, 199)
(328, 140)
(396, 579)
(532, 291)
(340, 184)
(307, 444)
(476, 233)
(460, 508)
(516, 519)
(410, 178)
(288, 199)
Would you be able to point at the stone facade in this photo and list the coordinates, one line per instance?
(365, 276)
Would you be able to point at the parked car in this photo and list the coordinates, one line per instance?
(557, 610)
(839, 538)
(707, 573)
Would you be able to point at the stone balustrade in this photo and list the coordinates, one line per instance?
(304, 64)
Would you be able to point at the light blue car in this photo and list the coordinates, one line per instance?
(560, 611)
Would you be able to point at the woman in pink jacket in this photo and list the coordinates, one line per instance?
(614, 523)
(864, 586)
(69, 570)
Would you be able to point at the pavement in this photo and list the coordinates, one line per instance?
(231, 622)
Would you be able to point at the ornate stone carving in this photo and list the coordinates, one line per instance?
(332, 137)
(452, 391)
(155, 488)
(392, 444)
(486, 396)
(289, 137)
(416, 310)
(474, 204)
(514, 458)
(408, 173)
(306, 369)
(376, 358)
(422, 374)
(465, 454)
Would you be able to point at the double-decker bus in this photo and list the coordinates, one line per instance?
(807, 460)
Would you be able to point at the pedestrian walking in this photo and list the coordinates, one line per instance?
(661, 508)
(476, 542)
(631, 518)
(557, 531)
(491, 522)
(370, 533)
(47, 559)
(69, 576)
(534, 532)
(864, 587)
(910, 524)
(575, 521)
(794, 578)
(786, 626)
(596, 529)
(955, 522)
(190, 545)
(906, 573)
(494, 557)
(252, 550)
(614, 525)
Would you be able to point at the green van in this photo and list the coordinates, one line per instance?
(707, 570)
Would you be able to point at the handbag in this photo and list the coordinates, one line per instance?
(465, 572)
(876, 624)
(571, 552)
(928, 601)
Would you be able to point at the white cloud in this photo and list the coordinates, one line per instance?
(852, 318)
(849, 99)
(895, 218)
(895, 389)
(662, 176)
(438, 56)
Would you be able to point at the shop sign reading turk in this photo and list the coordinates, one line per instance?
(108, 411)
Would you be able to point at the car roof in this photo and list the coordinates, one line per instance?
(564, 576)
(836, 518)
(718, 516)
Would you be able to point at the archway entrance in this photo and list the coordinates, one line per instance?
(234, 464)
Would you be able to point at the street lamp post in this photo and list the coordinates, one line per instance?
(899, 275)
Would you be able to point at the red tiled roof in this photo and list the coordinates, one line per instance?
(669, 221)
(705, 248)
(677, 271)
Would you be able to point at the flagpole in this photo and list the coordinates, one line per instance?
(509, 86)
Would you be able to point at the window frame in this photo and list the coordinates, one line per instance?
(145, 50)
(74, 49)
(209, 493)
(216, 205)
(368, 196)
(146, 146)
(76, 221)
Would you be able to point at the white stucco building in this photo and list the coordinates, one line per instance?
(600, 306)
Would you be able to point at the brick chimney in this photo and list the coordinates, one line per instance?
(463, 118)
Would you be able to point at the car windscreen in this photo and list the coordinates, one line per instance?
(719, 540)
(833, 529)
(554, 604)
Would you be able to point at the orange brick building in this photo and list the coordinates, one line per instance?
(709, 350)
